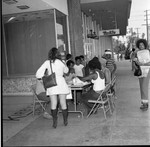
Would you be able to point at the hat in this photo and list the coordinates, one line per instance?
(108, 52)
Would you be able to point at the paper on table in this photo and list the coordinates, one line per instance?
(78, 82)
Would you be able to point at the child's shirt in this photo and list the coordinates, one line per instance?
(78, 70)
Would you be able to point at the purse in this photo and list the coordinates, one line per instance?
(49, 80)
(138, 71)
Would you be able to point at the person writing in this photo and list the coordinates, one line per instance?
(96, 76)
(59, 68)
(142, 58)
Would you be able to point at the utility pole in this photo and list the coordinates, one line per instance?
(137, 30)
(147, 25)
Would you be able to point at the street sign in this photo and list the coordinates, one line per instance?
(111, 32)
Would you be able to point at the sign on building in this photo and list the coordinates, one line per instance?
(111, 32)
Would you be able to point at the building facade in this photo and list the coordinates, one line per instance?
(29, 31)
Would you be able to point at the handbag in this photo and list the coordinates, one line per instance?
(49, 80)
(138, 71)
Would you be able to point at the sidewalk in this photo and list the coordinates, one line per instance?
(127, 126)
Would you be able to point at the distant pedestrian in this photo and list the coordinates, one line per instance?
(142, 58)
(132, 56)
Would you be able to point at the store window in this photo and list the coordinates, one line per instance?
(61, 31)
(27, 38)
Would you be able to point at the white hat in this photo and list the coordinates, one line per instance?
(108, 52)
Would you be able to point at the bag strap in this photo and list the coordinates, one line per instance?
(51, 66)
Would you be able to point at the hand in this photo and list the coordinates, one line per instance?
(141, 64)
(135, 59)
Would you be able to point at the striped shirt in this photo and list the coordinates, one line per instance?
(110, 64)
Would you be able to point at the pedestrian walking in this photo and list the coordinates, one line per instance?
(142, 58)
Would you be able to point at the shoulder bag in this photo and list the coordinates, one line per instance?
(138, 71)
(49, 80)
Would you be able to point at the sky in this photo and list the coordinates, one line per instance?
(137, 16)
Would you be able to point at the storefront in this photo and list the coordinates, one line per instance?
(29, 30)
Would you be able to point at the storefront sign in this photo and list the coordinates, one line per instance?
(109, 32)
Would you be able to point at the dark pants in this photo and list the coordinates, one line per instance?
(42, 96)
(90, 95)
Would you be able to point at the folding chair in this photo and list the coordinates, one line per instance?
(112, 94)
(36, 100)
(101, 102)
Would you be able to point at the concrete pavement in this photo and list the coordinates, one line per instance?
(128, 125)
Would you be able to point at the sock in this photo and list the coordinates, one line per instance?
(144, 101)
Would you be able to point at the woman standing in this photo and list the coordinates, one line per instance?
(142, 58)
(59, 68)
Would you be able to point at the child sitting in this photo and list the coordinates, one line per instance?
(71, 74)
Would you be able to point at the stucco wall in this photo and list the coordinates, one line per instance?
(18, 86)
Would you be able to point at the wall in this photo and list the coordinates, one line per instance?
(26, 48)
(75, 27)
(27, 45)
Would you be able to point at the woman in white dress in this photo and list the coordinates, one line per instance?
(61, 90)
(142, 58)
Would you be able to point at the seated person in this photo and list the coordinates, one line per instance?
(41, 95)
(105, 70)
(71, 74)
(96, 76)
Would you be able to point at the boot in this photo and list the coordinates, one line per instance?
(54, 115)
(65, 116)
(144, 106)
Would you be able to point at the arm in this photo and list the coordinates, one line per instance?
(83, 71)
(40, 72)
(145, 64)
(107, 77)
(115, 67)
(65, 69)
(89, 77)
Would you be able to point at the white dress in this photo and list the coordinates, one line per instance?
(59, 68)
